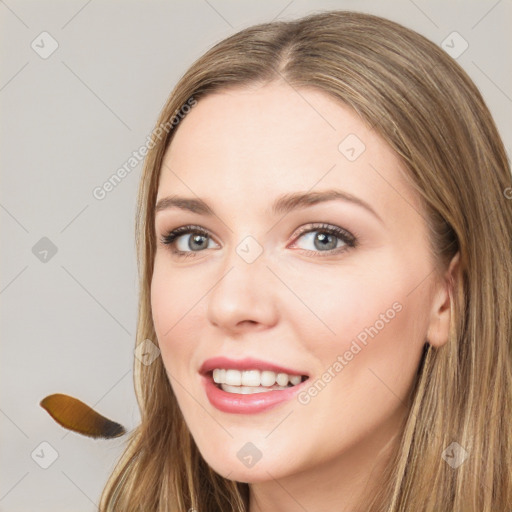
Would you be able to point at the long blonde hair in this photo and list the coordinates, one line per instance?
(429, 111)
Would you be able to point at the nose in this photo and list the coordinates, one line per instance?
(244, 296)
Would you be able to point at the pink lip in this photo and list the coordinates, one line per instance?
(245, 404)
(244, 364)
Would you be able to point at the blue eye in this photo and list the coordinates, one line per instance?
(327, 240)
(199, 241)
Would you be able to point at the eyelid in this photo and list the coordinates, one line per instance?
(187, 229)
(338, 231)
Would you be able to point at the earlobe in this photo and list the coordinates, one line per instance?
(442, 306)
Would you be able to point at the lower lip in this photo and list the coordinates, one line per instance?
(247, 404)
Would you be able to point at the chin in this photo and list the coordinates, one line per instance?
(247, 475)
(231, 467)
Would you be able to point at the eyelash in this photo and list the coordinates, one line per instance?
(347, 238)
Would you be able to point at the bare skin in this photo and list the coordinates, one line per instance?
(300, 304)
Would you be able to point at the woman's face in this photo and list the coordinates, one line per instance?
(272, 280)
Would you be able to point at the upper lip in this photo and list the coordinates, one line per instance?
(247, 363)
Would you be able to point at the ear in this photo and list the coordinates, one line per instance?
(440, 316)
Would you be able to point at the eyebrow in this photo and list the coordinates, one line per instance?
(282, 205)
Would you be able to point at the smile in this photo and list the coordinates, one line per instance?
(254, 381)
(248, 386)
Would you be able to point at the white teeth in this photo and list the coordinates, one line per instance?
(295, 379)
(254, 378)
(251, 378)
(219, 375)
(233, 378)
(267, 378)
(249, 390)
(282, 379)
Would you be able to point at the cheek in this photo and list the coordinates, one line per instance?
(381, 351)
(343, 304)
(175, 295)
(174, 310)
(365, 371)
(373, 320)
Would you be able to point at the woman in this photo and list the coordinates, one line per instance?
(375, 376)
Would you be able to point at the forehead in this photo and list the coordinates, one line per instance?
(252, 144)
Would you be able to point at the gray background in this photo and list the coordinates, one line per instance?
(68, 123)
